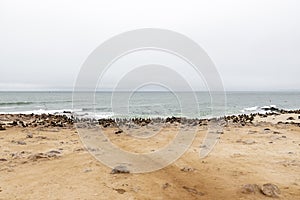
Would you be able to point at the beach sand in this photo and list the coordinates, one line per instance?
(39, 162)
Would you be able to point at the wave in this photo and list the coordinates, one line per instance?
(251, 108)
(40, 111)
(15, 103)
(33, 102)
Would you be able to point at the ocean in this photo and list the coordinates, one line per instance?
(143, 104)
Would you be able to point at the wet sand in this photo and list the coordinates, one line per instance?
(47, 160)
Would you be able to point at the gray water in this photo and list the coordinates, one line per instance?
(144, 104)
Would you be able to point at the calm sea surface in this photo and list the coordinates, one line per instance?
(144, 104)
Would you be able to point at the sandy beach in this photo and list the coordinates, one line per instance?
(42, 157)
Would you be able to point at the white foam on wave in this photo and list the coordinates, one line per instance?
(38, 112)
(250, 109)
(91, 115)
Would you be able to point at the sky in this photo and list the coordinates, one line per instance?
(254, 44)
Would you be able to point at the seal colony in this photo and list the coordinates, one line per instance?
(257, 157)
(52, 120)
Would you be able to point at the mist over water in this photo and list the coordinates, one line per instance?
(143, 104)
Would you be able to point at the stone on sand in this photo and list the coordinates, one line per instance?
(270, 190)
(250, 189)
(120, 170)
(193, 191)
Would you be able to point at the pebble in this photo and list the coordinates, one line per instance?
(187, 169)
(120, 170)
(87, 170)
(250, 189)
(192, 190)
(119, 131)
(21, 143)
(165, 186)
(249, 142)
(120, 191)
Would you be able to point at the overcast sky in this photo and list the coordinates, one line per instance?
(254, 44)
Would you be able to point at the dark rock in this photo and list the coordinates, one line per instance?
(290, 118)
(120, 170)
(2, 160)
(14, 123)
(29, 135)
(119, 131)
(120, 191)
(270, 190)
(2, 128)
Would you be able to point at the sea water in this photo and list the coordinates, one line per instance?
(144, 104)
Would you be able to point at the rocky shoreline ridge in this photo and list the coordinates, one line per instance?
(68, 121)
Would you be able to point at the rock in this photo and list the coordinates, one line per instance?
(193, 191)
(21, 143)
(120, 170)
(53, 152)
(41, 137)
(37, 156)
(119, 131)
(120, 191)
(270, 190)
(2, 160)
(248, 142)
(29, 135)
(250, 189)
(87, 170)
(290, 118)
(165, 186)
(252, 132)
(78, 149)
(299, 117)
(14, 123)
(2, 128)
(187, 169)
